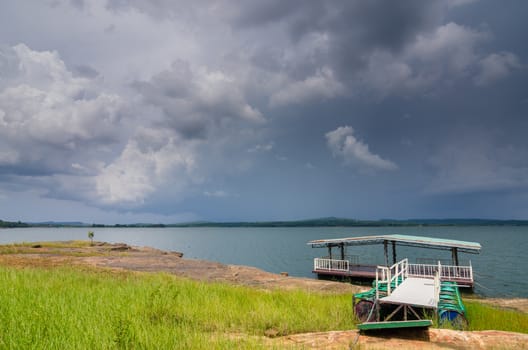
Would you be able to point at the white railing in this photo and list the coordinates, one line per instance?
(403, 269)
(397, 273)
(331, 264)
(447, 272)
(437, 285)
(383, 276)
(352, 259)
(400, 269)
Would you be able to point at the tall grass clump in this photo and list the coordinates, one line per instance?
(485, 317)
(72, 308)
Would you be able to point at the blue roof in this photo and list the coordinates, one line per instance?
(416, 241)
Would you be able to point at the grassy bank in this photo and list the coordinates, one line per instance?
(484, 317)
(41, 308)
(99, 309)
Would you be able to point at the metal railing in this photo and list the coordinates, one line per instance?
(399, 272)
(437, 285)
(402, 269)
(432, 261)
(393, 276)
(447, 272)
(383, 275)
(331, 264)
(352, 259)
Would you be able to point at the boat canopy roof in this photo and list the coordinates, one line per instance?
(404, 240)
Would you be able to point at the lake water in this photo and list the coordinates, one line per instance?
(500, 269)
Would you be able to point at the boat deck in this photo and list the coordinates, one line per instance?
(462, 275)
(401, 300)
(415, 292)
(342, 265)
(357, 271)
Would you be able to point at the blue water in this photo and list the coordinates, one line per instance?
(500, 269)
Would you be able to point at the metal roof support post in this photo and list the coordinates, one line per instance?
(454, 255)
(376, 303)
(342, 245)
(386, 253)
(330, 252)
(393, 252)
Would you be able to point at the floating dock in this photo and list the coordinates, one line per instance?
(340, 265)
(400, 300)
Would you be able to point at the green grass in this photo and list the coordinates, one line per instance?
(51, 244)
(58, 308)
(50, 247)
(76, 248)
(98, 309)
(485, 317)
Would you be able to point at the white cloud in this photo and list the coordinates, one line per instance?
(344, 144)
(48, 115)
(198, 113)
(451, 45)
(216, 194)
(496, 66)
(266, 147)
(152, 159)
(322, 85)
(72, 133)
(446, 54)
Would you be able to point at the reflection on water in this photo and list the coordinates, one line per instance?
(500, 269)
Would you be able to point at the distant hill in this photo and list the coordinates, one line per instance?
(59, 224)
(343, 222)
(320, 222)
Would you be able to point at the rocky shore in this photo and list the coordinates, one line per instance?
(144, 259)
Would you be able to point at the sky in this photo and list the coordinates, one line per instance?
(126, 111)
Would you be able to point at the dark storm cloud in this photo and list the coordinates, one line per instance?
(475, 160)
(149, 105)
(160, 9)
(374, 48)
(78, 3)
(195, 101)
(353, 28)
(86, 71)
(364, 24)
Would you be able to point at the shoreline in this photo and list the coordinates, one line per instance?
(121, 257)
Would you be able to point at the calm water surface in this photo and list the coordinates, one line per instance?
(500, 269)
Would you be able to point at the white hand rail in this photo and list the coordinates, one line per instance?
(331, 264)
(447, 272)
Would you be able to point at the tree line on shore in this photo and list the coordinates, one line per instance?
(320, 222)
